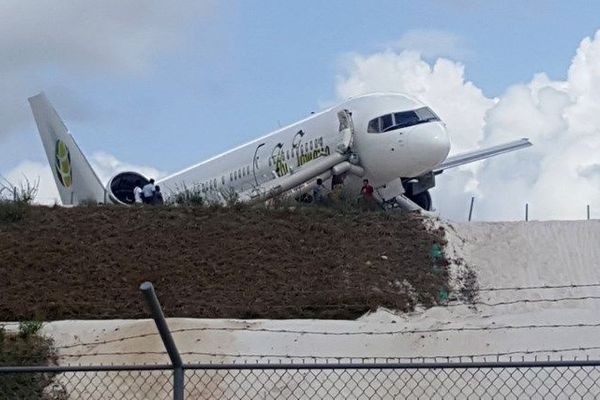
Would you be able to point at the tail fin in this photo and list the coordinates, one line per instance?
(76, 180)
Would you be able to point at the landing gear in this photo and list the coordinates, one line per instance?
(422, 199)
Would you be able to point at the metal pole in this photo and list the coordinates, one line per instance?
(471, 208)
(161, 324)
(526, 211)
(588, 211)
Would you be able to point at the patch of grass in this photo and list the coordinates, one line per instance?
(15, 201)
(13, 211)
(29, 328)
(187, 196)
(29, 350)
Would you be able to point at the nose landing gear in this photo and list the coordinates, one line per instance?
(422, 199)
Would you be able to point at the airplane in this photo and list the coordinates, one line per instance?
(396, 142)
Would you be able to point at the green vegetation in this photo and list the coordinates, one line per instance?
(25, 348)
(29, 328)
(187, 196)
(12, 211)
(15, 201)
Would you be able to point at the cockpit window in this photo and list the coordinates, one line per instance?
(374, 126)
(386, 122)
(403, 119)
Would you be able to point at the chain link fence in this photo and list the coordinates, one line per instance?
(535, 380)
(384, 380)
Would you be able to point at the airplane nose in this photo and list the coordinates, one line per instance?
(431, 144)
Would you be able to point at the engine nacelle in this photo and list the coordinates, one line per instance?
(120, 187)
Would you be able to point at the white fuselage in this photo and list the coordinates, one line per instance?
(399, 153)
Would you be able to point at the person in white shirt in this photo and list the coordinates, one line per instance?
(137, 193)
(148, 192)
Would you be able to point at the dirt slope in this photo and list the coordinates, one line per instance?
(88, 262)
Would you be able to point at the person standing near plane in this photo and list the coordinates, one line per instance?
(366, 190)
(137, 192)
(367, 194)
(148, 192)
(158, 197)
(319, 192)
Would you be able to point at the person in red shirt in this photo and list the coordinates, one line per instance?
(367, 190)
(368, 200)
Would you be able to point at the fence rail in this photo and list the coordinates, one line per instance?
(503, 380)
(579, 379)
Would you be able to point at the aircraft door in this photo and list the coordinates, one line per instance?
(346, 131)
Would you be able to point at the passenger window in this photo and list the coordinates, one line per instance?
(311, 144)
(230, 176)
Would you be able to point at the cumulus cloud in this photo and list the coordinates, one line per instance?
(431, 43)
(40, 40)
(558, 177)
(105, 165)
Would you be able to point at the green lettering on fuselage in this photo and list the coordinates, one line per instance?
(311, 155)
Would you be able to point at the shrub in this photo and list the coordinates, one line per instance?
(13, 211)
(230, 197)
(29, 328)
(187, 196)
(15, 201)
(24, 193)
(17, 351)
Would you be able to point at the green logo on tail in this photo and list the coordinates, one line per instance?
(62, 163)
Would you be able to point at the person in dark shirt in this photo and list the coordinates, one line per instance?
(158, 197)
(337, 181)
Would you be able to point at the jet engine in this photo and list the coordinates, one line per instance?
(120, 187)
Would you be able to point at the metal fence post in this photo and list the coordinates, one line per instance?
(471, 208)
(588, 211)
(161, 324)
(526, 211)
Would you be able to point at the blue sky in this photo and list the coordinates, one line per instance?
(230, 71)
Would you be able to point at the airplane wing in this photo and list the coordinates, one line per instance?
(471, 156)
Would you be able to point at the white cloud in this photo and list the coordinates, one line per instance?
(460, 104)
(40, 41)
(558, 177)
(35, 173)
(431, 43)
(105, 165)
